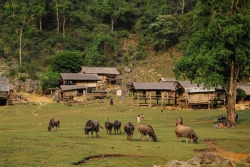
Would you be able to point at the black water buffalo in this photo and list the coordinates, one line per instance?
(117, 126)
(108, 126)
(91, 126)
(54, 122)
(129, 129)
(147, 131)
(185, 131)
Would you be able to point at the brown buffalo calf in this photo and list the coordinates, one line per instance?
(147, 131)
(54, 122)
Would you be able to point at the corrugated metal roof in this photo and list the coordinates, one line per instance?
(244, 87)
(3, 79)
(100, 70)
(194, 88)
(4, 88)
(5, 85)
(72, 87)
(153, 85)
(80, 76)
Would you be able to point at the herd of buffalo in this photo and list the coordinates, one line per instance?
(146, 131)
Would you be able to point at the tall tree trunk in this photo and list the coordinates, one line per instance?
(231, 96)
(40, 23)
(20, 44)
(233, 80)
(57, 19)
(182, 2)
(64, 22)
(112, 24)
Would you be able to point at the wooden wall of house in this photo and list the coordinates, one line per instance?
(87, 84)
(70, 93)
(199, 98)
(103, 78)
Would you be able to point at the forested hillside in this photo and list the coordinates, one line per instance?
(46, 37)
(102, 33)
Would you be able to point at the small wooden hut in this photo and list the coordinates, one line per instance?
(150, 93)
(192, 95)
(70, 91)
(109, 75)
(5, 91)
(77, 84)
(88, 80)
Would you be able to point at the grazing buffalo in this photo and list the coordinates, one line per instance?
(129, 129)
(117, 126)
(92, 125)
(147, 131)
(185, 131)
(108, 126)
(54, 122)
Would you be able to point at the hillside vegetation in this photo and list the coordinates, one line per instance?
(142, 35)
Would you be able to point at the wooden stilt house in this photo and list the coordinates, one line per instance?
(192, 95)
(77, 84)
(153, 93)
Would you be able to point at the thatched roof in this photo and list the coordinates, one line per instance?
(100, 70)
(194, 88)
(245, 87)
(72, 87)
(153, 85)
(80, 77)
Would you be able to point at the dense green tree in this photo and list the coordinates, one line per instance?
(39, 10)
(49, 79)
(142, 25)
(62, 8)
(115, 9)
(241, 94)
(218, 52)
(165, 31)
(67, 62)
(100, 51)
(19, 16)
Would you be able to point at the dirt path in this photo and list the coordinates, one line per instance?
(216, 149)
(35, 98)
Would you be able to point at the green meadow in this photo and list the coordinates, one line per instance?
(25, 140)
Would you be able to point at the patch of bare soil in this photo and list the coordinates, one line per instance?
(218, 150)
(108, 156)
(35, 98)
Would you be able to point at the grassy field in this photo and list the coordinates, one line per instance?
(25, 140)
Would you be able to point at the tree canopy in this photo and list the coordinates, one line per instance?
(218, 51)
(67, 62)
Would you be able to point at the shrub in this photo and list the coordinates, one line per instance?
(12, 72)
(49, 79)
(22, 77)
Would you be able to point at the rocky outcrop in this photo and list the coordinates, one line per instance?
(203, 159)
(29, 86)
